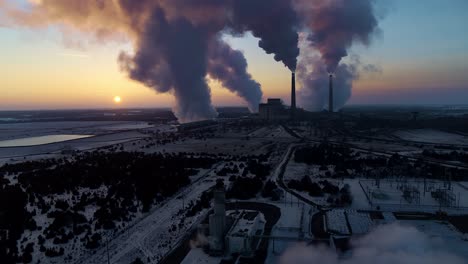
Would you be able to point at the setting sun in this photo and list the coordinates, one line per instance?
(117, 99)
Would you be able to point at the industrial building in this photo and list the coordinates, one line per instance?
(217, 222)
(235, 233)
(275, 110)
(244, 235)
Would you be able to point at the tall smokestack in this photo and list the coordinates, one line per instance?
(330, 102)
(293, 94)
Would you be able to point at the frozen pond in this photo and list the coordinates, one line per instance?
(34, 141)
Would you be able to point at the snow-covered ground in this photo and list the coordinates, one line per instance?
(389, 217)
(296, 171)
(104, 133)
(442, 235)
(432, 136)
(360, 201)
(150, 238)
(390, 194)
(43, 221)
(127, 126)
(336, 222)
(360, 223)
(378, 146)
(78, 144)
(34, 129)
(41, 140)
(292, 228)
(272, 132)
(197, 256)
(231, 146)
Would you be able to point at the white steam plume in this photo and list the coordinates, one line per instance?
(388, 244)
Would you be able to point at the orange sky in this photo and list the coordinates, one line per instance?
(420, 65)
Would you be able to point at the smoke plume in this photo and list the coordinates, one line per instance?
(390, 244)
(199, 241)
(177, 43)
(172, 41)
(336, 25)
(274, 22)
(313, 76)
(165, 62)
(230, 67)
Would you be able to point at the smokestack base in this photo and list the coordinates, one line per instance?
(293, 94)
(330, 99)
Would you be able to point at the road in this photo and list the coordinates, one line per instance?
(280, 170)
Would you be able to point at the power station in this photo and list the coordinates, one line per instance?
(275, 110)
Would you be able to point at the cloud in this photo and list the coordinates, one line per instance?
(172, 38)
(172, 41)
(387, 244)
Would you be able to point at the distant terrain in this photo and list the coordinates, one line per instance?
(138, 186)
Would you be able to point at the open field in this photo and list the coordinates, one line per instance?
(78, 144)
(34, 129)
(441, 235)
(432, 136)
(416, 195)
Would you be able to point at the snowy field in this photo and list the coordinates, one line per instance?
(292, 228)
(360, 223)
(275, 132)
(378, 146)
(360, 201)
(105, 133)
(442, 235)
(126, 126)
(41, 140)
(34, 129)
(229, 146)
(150, 238)
(196, 256)
(296, 171)
(90, 143)
(338, 220)
(390, 195)
(432, 136)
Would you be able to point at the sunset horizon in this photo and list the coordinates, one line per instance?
(47, 69)
(233, 131)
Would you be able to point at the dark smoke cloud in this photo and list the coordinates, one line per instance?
(313, 75)
(275, 22)
(177, 44)
(336, 25)
(172, 39)
(390, 244)
(333, 27)
(171, 56)
(230, 67)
